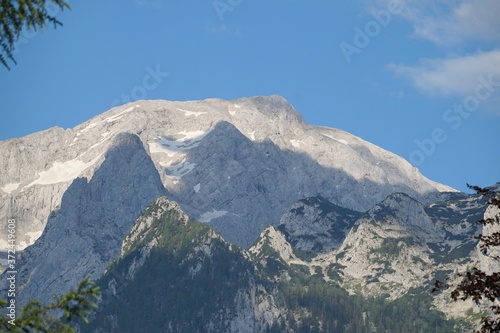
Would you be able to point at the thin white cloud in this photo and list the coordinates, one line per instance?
(451, 76)
(449, 22)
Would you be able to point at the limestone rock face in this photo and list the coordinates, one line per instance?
(397, 245)
(487, 261)
(86, 232)
(185, 276)
(237, 165)
(401, 244)
(315, 224)
(318, 204)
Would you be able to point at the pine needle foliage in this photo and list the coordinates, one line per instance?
(16, 15)
(476, 284)
(57, 316)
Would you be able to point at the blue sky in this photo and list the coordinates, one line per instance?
(418, 78)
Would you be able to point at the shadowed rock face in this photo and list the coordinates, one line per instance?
(314, 224)
(86, 233)
(239, 186)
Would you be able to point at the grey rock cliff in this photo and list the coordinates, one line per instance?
(85, 234)
(315, 224)
(171, 262)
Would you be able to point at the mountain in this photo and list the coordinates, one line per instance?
(399, 244)
(237, 165)
(234, 216)
(392, 254)
(181, 276)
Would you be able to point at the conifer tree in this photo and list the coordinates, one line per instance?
(54, 317)
(477, 284)
(16, 15)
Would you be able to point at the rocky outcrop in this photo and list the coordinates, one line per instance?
(397, 245)
(85, 234)
(186, 277)
(315, 224)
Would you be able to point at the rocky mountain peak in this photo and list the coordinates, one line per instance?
(272, 240)
(404, 209)
(160, 209)
(274, 106)
(95, 215)
(316, 224)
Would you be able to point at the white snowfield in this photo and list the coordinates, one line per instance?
(338, 140)
(10, 187)
(188, 113)
(172, 147)
(59, 172)
(62, 172)
(175, 164)
(177, 171)
(109, 119)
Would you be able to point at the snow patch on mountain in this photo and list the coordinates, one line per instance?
(188, 141)
(296, 143)
(177, 171)
(9, 188)
(209, 216)
(188, 113)
(193, 136)
(107, 120)
(62, 172)
(338, 140)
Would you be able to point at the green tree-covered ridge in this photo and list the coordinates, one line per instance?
(191, 276)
